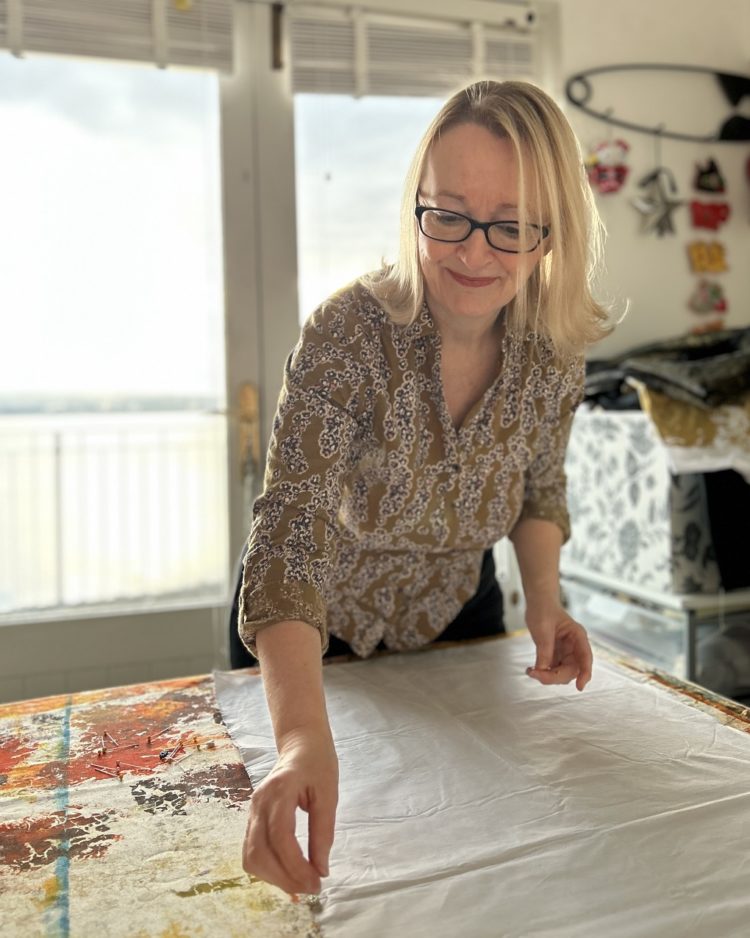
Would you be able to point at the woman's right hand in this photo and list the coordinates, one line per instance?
(305, 776)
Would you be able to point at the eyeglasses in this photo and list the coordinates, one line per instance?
(452, 227)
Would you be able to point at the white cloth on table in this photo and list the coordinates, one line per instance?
(476, 802)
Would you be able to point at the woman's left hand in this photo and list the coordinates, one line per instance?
(563, 652)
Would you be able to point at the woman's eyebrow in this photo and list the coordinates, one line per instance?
(445, 193)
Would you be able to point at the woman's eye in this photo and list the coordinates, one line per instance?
(448, 218)
(508, 229)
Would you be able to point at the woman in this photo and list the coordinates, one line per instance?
(424, 415)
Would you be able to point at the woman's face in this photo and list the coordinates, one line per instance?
(471, 171)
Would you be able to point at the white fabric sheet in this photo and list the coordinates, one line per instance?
(475, 803)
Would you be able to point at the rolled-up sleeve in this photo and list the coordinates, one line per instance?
(309, 457)
(545, 494)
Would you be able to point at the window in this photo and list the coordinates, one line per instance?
(112, 443)
(352, 155)
(366, 85)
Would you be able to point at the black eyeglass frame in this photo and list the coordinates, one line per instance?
(484, 226)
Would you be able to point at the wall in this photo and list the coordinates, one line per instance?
(40, 657)
(652, 272)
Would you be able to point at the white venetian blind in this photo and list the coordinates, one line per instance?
(365, 53)
(196, 33)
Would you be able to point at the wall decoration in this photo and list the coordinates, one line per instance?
(708, 177)
(606, 166)
(708, 297)
(709, 214)
(733, 128)
(707, 257)
(655, 205)
(708, 323)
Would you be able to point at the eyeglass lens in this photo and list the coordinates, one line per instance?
(504, 235)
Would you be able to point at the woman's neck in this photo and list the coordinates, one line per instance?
(463, 332)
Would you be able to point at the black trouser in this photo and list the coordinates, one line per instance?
(481, 615)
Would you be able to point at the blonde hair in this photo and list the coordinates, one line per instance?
(556, 300)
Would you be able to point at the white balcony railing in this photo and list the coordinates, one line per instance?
(111, 509)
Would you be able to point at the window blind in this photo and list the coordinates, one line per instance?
(196, 33)
(359, 52)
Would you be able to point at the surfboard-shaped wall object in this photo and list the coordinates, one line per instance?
(668, 100)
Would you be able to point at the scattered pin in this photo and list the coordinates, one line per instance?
(160, 733)
(186, 756)
(131, 765)
(121, 748)
(179, 747)
(106, 771)
(110, 736)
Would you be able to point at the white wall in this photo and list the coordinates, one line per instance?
(653, 273)
(38, 658)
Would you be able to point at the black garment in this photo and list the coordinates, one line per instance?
(481, 615)
(704, 370)
(728, 500)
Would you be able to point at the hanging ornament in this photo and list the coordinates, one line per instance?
(708, 297)
(606, 167)
(708, 177)
(655, 205)
(709, 214)
(707, 257)
(709, 306)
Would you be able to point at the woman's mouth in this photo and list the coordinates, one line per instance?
(471, 281)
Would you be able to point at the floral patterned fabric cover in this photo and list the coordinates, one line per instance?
(631, 519)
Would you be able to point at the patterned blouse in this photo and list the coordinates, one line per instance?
(376, 510)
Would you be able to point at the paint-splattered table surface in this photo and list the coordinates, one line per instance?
(105, 833)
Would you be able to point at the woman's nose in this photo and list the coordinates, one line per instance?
(475, 251)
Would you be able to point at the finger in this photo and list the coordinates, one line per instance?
(577, 649)
(271, 853)
(321, 825)
(562, 674)
(287, 851)
(585, 658)
(270, 872)
(258, 860)
(545, 649)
